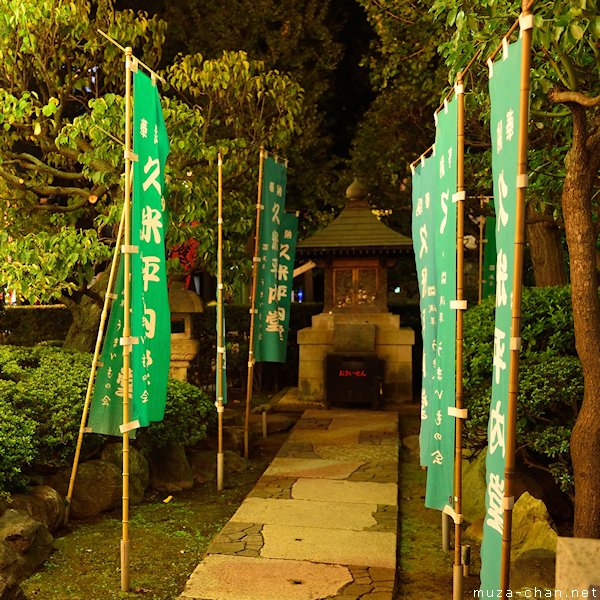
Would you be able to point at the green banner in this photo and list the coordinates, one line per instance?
(150, 315)
(277, 248)
(440, 468)
(106, 409)
(424, 189)
(504, 124)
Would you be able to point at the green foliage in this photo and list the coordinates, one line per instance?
(47, 385)
(31, 325)
(410, 79)
(43, 390)
(61, 166)
(296, 37)
(550, 379)
(16, 446)
(237, 328)
(189, 415)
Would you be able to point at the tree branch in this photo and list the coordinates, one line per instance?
(30, 162)
(391, 14)
(551, 115)
(53, 190)
(568, 97)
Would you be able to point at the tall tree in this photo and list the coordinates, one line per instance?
(408, 77)
(412, 79)
(61, 87)
(566, 101)
(291, 36)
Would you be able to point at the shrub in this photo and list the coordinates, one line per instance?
(16, 447)
(189, 415)
(42, 390)
(550, 379)
(30, 325)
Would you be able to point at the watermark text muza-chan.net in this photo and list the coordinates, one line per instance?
(593, 592)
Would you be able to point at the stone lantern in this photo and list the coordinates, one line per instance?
(184, 348)
(355, 251)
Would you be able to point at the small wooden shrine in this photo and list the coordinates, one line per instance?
(355, 328)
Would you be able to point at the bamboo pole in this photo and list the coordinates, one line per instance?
(255, 262)
(90, 386)
(126, 324)
(515, 333)
(139, 62)
(482, 241)
(460, 265)
(220, 336)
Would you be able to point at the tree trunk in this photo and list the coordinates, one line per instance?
(545, 249)
(86, 311)
(582, 164)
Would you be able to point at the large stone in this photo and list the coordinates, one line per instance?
(532, 570)
(531, 527)
(474, 531)
(139, 469)
(411, 443)
(44, 504)
(170, 470)
(24, 545)
(204, 464)
(473, 488)
(98, 487)
(578, 566)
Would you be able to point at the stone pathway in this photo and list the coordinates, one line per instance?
(321, 522)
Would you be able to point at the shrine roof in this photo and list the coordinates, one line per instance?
(356, 230)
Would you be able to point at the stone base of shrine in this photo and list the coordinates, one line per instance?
(356, 334)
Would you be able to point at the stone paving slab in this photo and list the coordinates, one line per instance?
(312, 467)
(333, 546)
(306, 512)
(358, 453)
(220, 577)
(356, 492)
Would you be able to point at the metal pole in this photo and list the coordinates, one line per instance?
(515, 334)
(460, 252)
(126, 324)
(220, 340)
(445, 532)
(255, 261)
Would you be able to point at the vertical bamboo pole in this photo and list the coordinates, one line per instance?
(88, 393)
(126, 325)
(220, 336)
(255, 262)
(515, 333)
(460, 252)
(482, 242)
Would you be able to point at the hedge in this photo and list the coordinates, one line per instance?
(42, 390)
(550, 379)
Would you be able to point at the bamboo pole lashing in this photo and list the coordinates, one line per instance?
(152, 72)
(250, 380)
